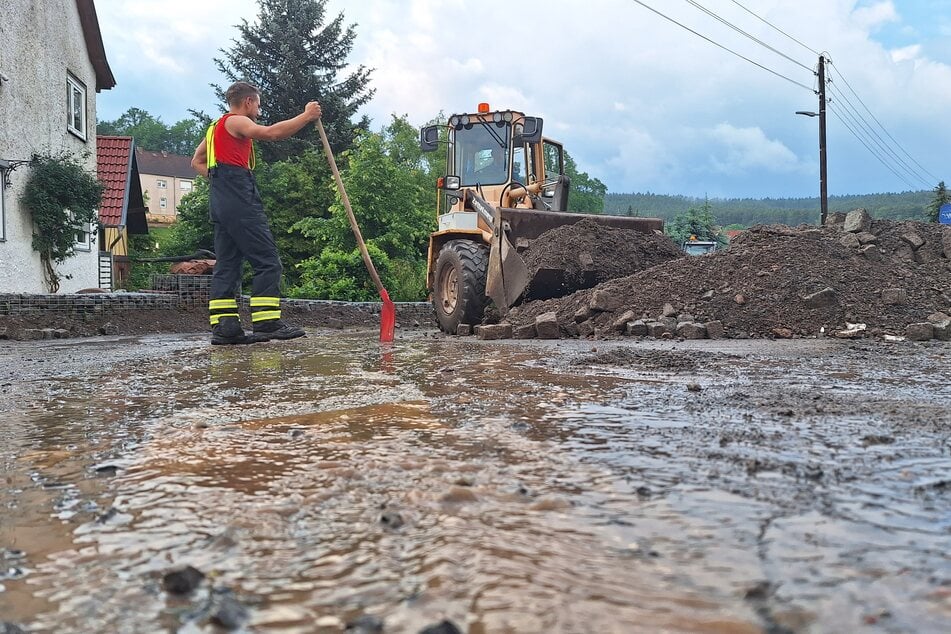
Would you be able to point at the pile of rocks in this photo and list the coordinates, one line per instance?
(853, 277)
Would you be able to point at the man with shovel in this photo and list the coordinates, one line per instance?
(241, 230)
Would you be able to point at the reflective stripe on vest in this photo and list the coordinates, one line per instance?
(210, 146)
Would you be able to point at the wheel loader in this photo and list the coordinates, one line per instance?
(505, 186)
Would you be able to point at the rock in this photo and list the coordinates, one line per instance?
(715, 329)
(871, 252)
(942, 332)
(4, 333)
(109, 329)
(229, 613)
(656, 329)
(585, 260)
(195, 267)
(585, 329)
(636, 328)
(939, 319)
(670, 324)
(6, 627)
(894, 296)
(685, 317)
(906, 253)
(183, 581)
(835, 218)
(524, 332)
(946, 242)
(782, 333)
(546, 326)
(60, 333)
(914, 240)
(740, 299)
(494, 331)
(691, 330)
(857, 221)
(464, 330)
(919, 332)
(49, 333)
(669, 311)
(445, 627)
(583, 314)
(866, 238)
(850, 240)
(694, 387)
(708, 295)
(605, 302)
(620, 324)
(821, 299)
(926, 256)
(366, 624)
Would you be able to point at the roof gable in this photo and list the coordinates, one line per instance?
(164, 164)
(94, 47)
(122, 203)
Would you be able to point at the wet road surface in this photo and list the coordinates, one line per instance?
(736, 486)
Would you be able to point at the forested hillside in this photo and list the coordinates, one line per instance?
(790, 211)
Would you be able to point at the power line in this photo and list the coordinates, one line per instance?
(871, 151)
(849, 86)
(742, 32)
(764, 21)
(875, 138)
(769, 70)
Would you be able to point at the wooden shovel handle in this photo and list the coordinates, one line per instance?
(346, 204)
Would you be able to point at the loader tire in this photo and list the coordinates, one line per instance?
(459, 288)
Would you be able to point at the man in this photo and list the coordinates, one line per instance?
(241, 231)
(494, 170)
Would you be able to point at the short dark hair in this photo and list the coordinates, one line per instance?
(239, 91)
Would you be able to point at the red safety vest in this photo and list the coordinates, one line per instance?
(221, 147)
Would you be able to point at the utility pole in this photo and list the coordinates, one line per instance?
(823, 167)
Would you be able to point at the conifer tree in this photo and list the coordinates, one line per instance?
(941, 198)
(293, 56)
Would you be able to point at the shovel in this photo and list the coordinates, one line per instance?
(388, 316)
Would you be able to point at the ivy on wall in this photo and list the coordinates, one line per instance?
(62, 198)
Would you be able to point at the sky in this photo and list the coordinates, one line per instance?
(639, 102)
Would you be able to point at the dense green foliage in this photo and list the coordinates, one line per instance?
(696, 221)
(790, 211)
(941, 197)
(152, 134)
(294, 56)
(62, 198)
(586, 194)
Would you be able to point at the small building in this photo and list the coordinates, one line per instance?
(52, 64)
(123, 212)
(166, 178)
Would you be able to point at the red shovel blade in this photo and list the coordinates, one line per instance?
(387, 317)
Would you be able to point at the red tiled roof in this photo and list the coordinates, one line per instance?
(122, 199)
(164, 164)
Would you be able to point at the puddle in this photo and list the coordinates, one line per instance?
(508, 488)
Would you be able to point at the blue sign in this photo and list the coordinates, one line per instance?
(944, 214)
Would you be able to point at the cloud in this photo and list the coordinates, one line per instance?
(906, 54)
(748, 150)
(875, 16)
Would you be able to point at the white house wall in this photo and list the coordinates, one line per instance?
(40, 41)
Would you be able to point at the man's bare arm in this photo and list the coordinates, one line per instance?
(245, 128)
(200, 159)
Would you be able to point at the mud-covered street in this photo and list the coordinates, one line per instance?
(328, 484)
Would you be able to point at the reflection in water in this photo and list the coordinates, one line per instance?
(328, 478)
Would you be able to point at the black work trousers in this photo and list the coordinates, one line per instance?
(241, 233)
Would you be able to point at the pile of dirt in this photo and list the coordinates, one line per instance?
(582, 255)
(778, 281)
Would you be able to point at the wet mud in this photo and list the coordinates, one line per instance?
(632, 486)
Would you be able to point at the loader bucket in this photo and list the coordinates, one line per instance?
(507, 274)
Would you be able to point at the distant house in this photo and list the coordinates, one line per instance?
(52, 64)
(123, 211)
(166, 178)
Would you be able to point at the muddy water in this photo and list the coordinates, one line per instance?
(732, 487)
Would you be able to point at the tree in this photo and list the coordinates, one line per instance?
(392, 194)
(294, 57)
(696, 221)
(151, 134)
(586, 194)
(941, 197)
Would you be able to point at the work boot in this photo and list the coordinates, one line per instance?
(275, 329)
(228, 331)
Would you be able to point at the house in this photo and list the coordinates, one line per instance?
(52, 64)
(166, 178)
(122, 212)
